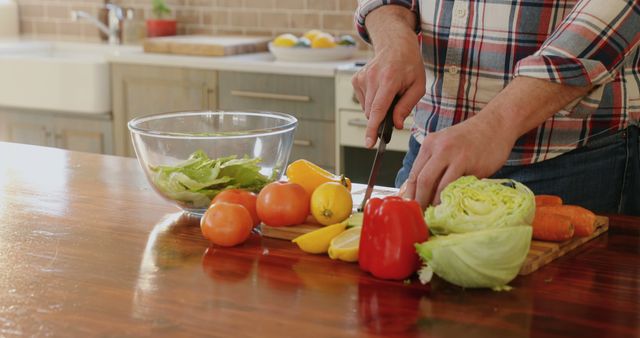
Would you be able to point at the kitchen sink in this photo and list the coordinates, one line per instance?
(56, 76)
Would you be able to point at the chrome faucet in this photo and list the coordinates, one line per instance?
(113, 18)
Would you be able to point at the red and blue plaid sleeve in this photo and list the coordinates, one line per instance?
(587, 49)
(366, 6)
(589, 46)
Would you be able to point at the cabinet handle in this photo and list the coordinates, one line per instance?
(271, 96)
(302, 143)
(358, 122)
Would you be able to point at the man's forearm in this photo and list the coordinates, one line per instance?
(390, 23)
(526, 103)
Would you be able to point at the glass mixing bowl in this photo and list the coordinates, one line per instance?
(188, 157)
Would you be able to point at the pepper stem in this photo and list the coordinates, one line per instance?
(343, 181)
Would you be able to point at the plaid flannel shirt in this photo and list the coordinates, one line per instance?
(472, 49)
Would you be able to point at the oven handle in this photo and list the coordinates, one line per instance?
(360, 122)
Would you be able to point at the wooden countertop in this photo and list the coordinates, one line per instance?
(88, 249)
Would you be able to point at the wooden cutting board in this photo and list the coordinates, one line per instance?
(203, 45)
(540, 252)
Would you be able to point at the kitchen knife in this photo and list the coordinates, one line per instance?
(384, 134)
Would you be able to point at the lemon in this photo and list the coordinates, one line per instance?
(323, 40)
(355, 220)
(318, 241)
(331, 203)
(312, 34)
(285, 40)
(345, 246)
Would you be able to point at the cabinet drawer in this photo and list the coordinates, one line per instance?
(302, 96)
(315, 141)
(353, 125)
(345, 97)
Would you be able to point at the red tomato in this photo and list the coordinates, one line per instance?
(282, 204)
(243, 197)
(226, 224)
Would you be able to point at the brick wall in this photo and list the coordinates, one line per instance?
(50, 19)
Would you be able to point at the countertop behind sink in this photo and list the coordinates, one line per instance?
(256, 63)
(46, 88)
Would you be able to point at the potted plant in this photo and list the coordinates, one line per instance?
(159, 26)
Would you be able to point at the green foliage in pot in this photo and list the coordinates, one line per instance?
(160, 8)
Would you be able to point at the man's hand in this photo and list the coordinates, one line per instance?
(396, 68)
(480, 145)
(475, 146)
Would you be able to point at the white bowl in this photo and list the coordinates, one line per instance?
(306, 54)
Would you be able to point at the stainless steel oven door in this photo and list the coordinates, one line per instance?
(356, 160)
(357, 165)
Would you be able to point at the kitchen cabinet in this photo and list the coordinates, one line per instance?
(82, 134)
(310, 99)
(28, 128)
(88, 133)
(142, 90)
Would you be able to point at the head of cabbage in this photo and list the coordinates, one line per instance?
(482, 232)
(469, 204)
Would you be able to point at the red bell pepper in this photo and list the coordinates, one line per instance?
(390, 228)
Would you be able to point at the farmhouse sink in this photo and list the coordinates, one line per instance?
(56, 76)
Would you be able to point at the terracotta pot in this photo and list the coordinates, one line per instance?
(160, 27)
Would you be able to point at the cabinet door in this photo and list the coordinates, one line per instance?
(314, 142)
(23, 127)
(84, 134)
(305, 97)
(142, 90)
(310, 99)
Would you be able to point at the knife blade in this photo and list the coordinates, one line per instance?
(384, 134)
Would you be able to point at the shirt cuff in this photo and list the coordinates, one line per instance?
(564, 70)
(572, 72)
(367, 6)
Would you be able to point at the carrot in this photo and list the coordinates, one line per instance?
(548, 200)
(552, 227)
(582, 219)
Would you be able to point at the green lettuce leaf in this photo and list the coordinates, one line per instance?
(196, 181)
(480, 259)
(469, 204)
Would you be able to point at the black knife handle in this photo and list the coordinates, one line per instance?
(386, 127)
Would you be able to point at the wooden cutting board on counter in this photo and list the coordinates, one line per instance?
(540, 253)
(204, 45)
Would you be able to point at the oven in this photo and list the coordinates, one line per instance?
(352, 158)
